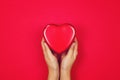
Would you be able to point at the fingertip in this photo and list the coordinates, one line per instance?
(42, 41)
(72, 47)
(71, 50)
(73, 44)
(55, 55)
(63, 55)
(45, 44)
(47, 47)
(76, 50)
(76, 40)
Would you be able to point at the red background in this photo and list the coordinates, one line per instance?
(98, 30)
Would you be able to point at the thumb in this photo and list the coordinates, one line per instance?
(71, 50)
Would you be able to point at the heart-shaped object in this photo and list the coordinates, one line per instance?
(59, 37)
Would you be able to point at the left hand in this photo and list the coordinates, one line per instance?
(50, 58)
(68, 60)
(52, 62)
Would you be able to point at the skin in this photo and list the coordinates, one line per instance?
(66, 63)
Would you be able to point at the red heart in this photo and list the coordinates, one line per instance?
(59, 37)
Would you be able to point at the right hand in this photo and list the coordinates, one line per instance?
(69, 58)
(50, 58)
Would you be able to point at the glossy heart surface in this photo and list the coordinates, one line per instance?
(59, 37)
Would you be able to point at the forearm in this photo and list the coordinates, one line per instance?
(53, 75)
(65, 75)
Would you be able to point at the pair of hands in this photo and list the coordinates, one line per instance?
(67, 60)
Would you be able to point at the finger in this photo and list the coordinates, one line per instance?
(63, 55)
(76, 48)
(48, 52)
(71, 50)
(42, 44)
(55, 55)
(76, 44)
(75, 51)
(44, 49)
(47, 48)
(76, 41)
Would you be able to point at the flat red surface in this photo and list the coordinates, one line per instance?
(97, 25)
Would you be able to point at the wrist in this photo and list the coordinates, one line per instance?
(54, 71)
(65, 69)
(53, 74)
(65, 72)
(65, 75)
